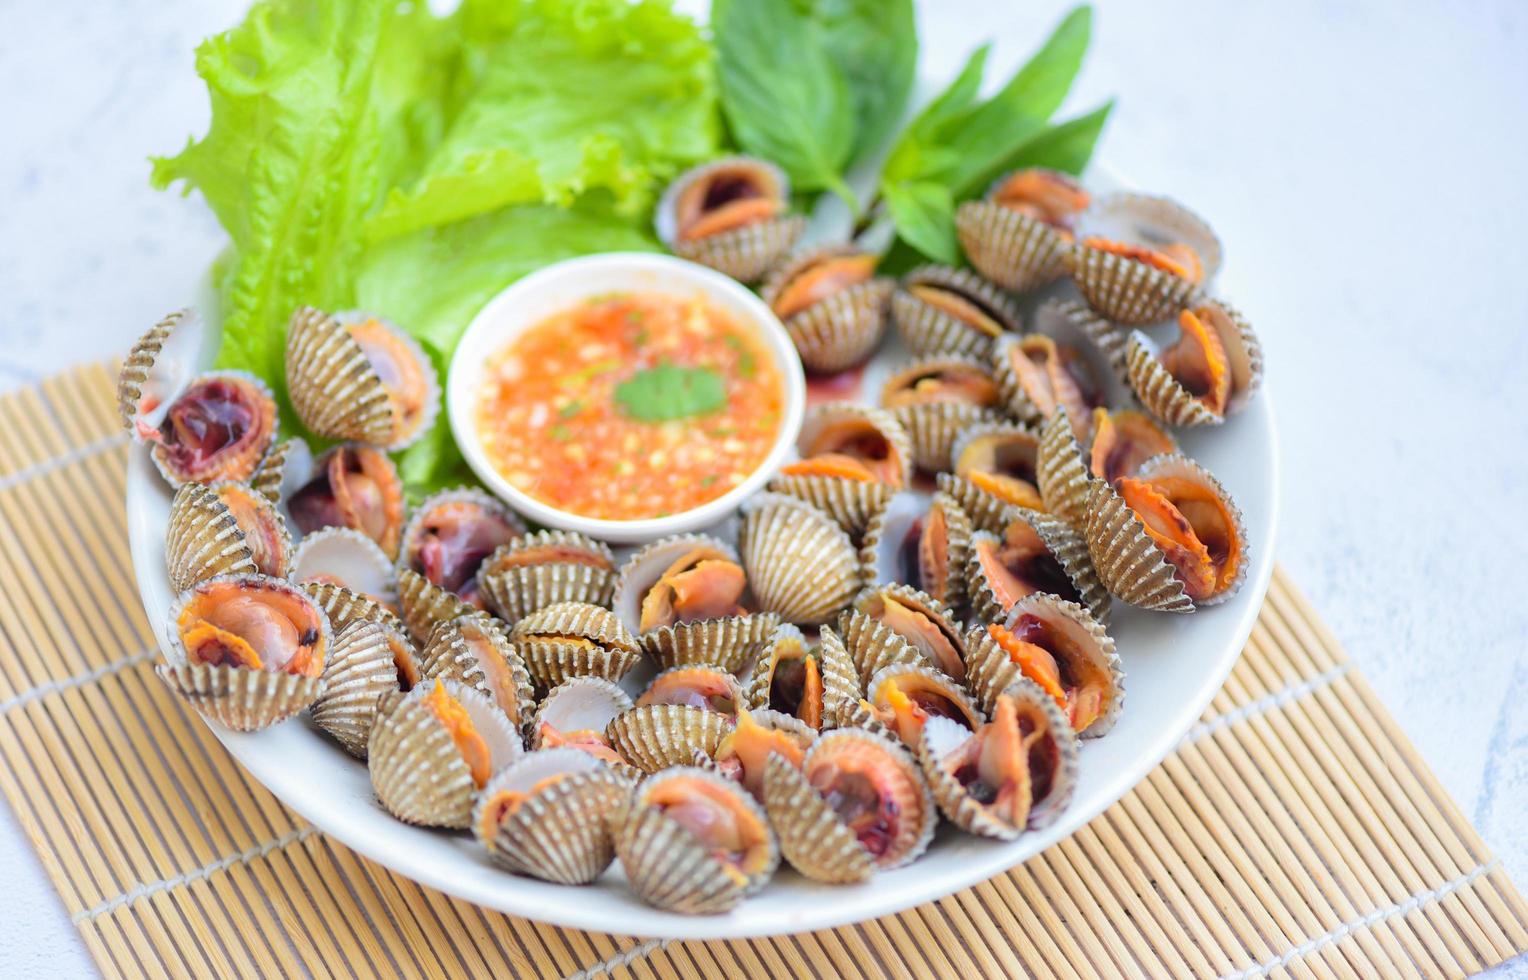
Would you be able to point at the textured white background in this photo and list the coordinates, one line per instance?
(1363, 160)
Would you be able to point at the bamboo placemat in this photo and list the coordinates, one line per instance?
(1295, 831)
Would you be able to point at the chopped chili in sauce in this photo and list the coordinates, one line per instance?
(631, 406)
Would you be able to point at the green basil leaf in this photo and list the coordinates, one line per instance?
(667, 392)
(919, 143)
(1066, 146)
(875, 45)
(782, 94)
(924, 213)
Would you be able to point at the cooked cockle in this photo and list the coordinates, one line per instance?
(356, 376)
(576, 713)
(1208, 373)
(1142, 258)
(1033, 553)
(282, 471)
(853, 458)
(200, 428)
(682, 596)
(934, 399)
(368, 659)
(450, 535)
(745, 751)
(476, 651)
(348, 558)
(1122, 441)
(1037, 375)
(944, 311)
(807, 683)
(223, 529)
(922, 544)
(1169, 538)
(710, 688)
(343, 607)
(246, 651)
(652, 737)
(995, 464)
(904, 696)
(832, 303)
(1018, 235)
(433, 749)
(536, 570)
(730, 214)
(857, 804)
(572, 639)
(1014, 773)
(800, 562)
(547, 815)
(928, 626)
(1062, 648)
(425, 606)
(352, 486)
(695, 842)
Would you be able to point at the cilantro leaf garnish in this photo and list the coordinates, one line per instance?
(667, 392)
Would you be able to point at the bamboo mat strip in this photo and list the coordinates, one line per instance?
(1294, 831)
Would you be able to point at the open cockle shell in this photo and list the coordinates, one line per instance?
(1061, 470)
(352, 486)
(543, 568)
(817, 841)
(1041, 373)
(832, 304)
(572, 639)
(283, 470)
(872, 645)
(672, 865)
(476, 651)
(657, 736)
(945, 311)
(904, 696)
(744, 753)
(934, 398)
(1128, 562)
(853, 457)
(344, 607)
(650, 568)
(225, 690)
(346, 557)
(1063, 566)
(1048, 774)
(800, 563)
(223, 529)
(1123, 441)
(928, 626)
(425, 606)
(1154, 221)
(999, 462)
(804, 695)
(725, 643)
(418, 768)
(450, 535)
(1167, 397)
(697, 685)
(1081, 649)
(578, 704)
(339, 390)
(1016, 247)
(159, 366)
(369, 659)
(547, 815)
(1125, 289)
(730, 214)
(919, 544)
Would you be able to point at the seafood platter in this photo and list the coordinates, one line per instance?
(1016, 531)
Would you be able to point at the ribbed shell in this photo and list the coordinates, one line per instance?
(417, 772)
(1126, 291)
(204, 539)
(562, 832)
(516, 591)
(139, 364)
(425, 605)
(841, 331)
(669, 868)
(1135, 217)
(726, 643)
(883, 538)
(455, 495)
(987, 513)
(1013, 250)
(551, 660)
(1062, 471)
(359, 670)
(824, 415)
(949, 688)
(657, 736)
(872, 644)
(850, 502)
(272, 478)
(450, 653)
(933, 427)
(344, 607)
(871, 598)
(745, 253)
(799, 561)
(927, 330)
(1065, 543)
(1128, 562)
(992, 672)
(1167, 399)
(335, 390)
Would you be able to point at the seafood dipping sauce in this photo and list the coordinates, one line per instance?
(630, 406)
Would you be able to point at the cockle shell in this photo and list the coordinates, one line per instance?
(657, 736)
(842, 329)
(452, 563)
(543, 568)
(929, 627)
(885, 691)
(816, 840)
(760, 734)
(369, 659)
(579, 704)
(475, 650)
(559, 829)
(1015, 251)
(224, 529)
(1166, 397)
(933, 410)
(339, 393)
(425, 606)
(698, 685)
(673, 868)
(948, 325)
(283, 469)
(344, 607)
(346, 557)
(417, 770)
(896, 546)
(1066, 549)
(352, 486)
(800, 563)
(996, 466)
(1061, 470)
(832, 443)
(835, 672)
(571, 639)
(1132, 292)
(744, 252)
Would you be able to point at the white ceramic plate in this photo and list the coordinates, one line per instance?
(1173, 665)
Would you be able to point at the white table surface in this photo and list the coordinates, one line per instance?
(1362, 159)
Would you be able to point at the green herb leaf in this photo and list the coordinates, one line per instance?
(1066, 146)
(571, 409)
(784, 97)
(667, 392)
(924, 213)
(875, 45)
(918, 153)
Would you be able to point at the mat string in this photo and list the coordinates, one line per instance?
(1262, 705)
(68, 458)
(78, 680)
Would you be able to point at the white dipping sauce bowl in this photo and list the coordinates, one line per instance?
(559, 287)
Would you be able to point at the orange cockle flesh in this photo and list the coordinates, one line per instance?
(259, 631)
(720, 823)
(1198, 360)
(919, 629)
(1122, 441)
(1044, 371)
(505, 803)
(963, 308)
(725, 199)
(452, 715)
(795, 687)
(697, 687)
(1048, 658)
(747, 748)
(701, 584)
(1176, 259)
(993, 765)
(1043, 195)
(934, 554)
(831, 464)
(1021, 563)
(1009, 489)
(584, 740)
(553, 554)
(851, 447)
(399, 368)
(1175, 534)
(821, 279)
